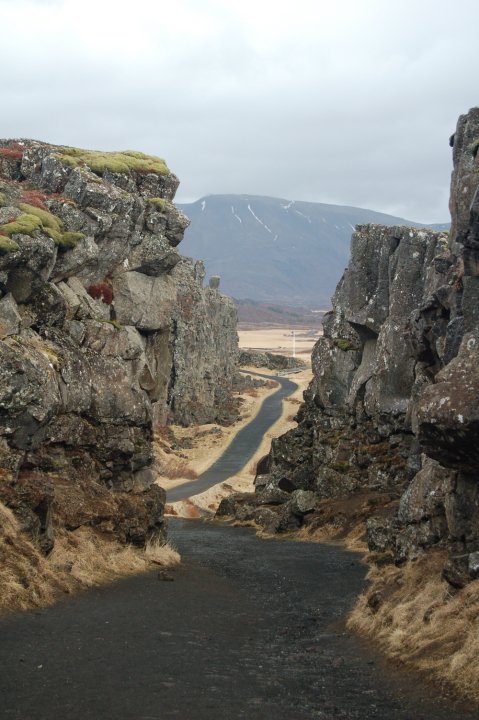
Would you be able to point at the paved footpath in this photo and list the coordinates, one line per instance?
(248, 629)
(244, 444)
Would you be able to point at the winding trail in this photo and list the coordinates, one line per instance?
(249, 629)
(243, 445)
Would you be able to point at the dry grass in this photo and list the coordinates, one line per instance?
(294, 400)
(184, 508)
(26, 580)
(79, 560)
(418, 621)
(162, 553)
(175, 468)
(252, 392)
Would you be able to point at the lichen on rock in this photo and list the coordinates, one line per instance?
(104, 331)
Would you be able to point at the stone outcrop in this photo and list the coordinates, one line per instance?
(272, 361)
(390, 419)
(105, 330)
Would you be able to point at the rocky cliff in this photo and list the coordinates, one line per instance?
(105, 330)
(389, 427)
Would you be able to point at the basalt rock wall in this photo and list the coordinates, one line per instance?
(390, 420)
(105, 331)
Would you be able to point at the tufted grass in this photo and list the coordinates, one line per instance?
(118, 162)
(80, 559)
(417, 620)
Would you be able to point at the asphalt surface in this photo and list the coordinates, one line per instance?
(243, 445)
(247, 629)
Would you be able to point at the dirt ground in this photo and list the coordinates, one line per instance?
(243, 628)
(206, 448)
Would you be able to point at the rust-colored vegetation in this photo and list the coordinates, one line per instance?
(101, 291)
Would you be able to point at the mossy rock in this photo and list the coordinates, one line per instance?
(48, 220)
(118, 162)
(344, 344)
(70, 239)
(159, 203)
(474, 147)
(7, 245)
(37, 219)
(25, 225)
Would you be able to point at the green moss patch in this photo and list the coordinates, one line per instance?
(3, 199)
(47, 219)
(159, 203)
(118, 162)
(7, 245)
(70, 239)
(344, 344)
(25, 224)
(37, 219)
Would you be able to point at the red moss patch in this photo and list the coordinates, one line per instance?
(101, 291)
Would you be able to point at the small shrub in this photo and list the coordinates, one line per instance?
(252, 392)
(177, 468)
(101, 291)
(271, 384)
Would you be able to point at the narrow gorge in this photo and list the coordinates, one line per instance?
(107, 333)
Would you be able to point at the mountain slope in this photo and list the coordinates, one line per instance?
(270, 249)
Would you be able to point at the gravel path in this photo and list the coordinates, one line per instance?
(248, 629)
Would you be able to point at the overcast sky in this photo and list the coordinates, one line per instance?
(341, 101)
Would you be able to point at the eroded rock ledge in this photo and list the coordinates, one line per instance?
(389, 428)
(105, 330)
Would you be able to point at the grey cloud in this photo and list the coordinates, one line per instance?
(361, 119)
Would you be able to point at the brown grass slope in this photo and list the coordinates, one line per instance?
(79, 560)
(421, 622)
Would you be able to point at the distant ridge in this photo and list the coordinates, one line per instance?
(276, 250)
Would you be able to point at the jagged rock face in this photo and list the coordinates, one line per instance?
(393, 404)
(98, 315)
